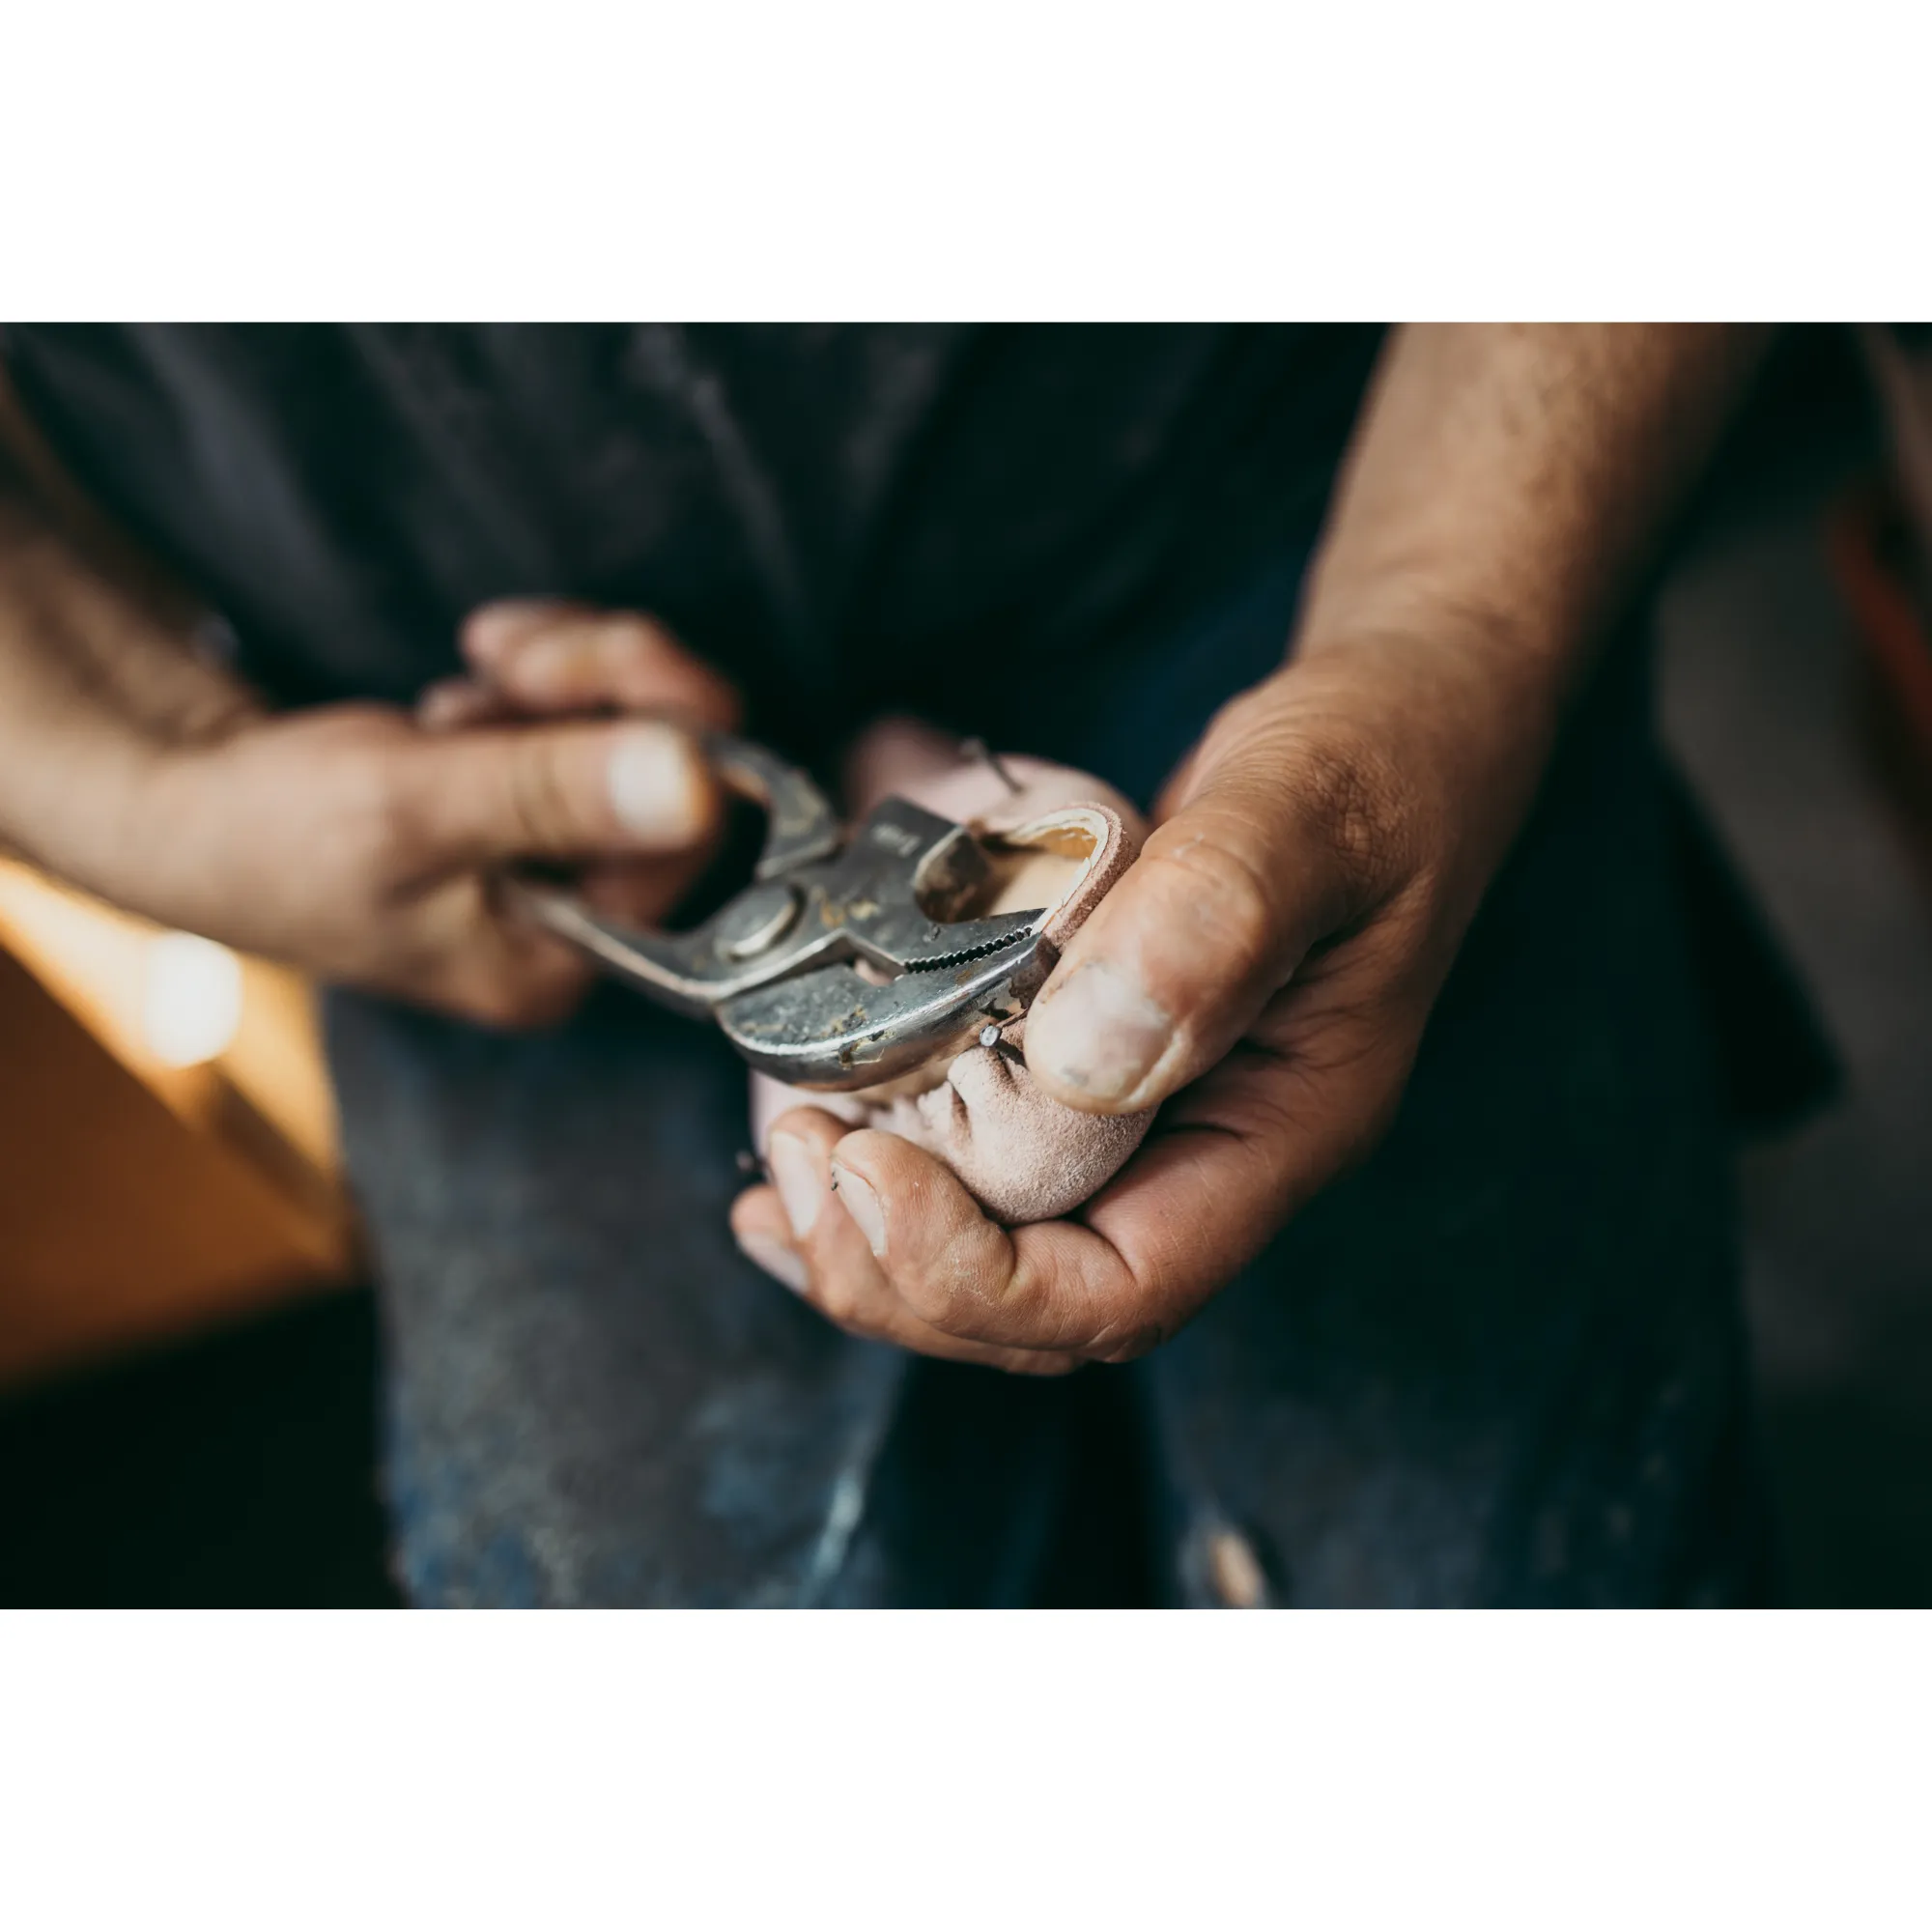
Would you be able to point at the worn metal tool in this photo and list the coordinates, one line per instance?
(845, 961)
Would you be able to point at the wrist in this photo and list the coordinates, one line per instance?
(97, 696)
(1457, 729)
(78, 805)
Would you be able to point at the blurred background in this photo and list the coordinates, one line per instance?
(188, 1347)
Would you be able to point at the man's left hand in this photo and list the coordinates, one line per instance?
(1263, 972)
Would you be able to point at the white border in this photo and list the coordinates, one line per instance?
(1014, 157)
(957, 1771)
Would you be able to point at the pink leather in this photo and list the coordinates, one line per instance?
(1020, 1153)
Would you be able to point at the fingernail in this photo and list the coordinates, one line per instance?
(654, 786)
(795, 1175)
(863, 1205)
(775, 1259)
(1100, 1034)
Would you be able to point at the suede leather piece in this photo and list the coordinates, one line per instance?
(1019, 1152)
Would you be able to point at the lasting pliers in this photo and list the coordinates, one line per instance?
(847, 960)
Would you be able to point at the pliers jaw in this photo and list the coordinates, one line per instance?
(830, 1030)
(845, 963)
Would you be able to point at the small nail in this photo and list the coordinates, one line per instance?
(795, 1175)
(1100, 1032)
(775, 1259)
(653, 783)
(863, 1205)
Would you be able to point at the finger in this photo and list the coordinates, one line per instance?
(469, 959)
(455, 704)
(847, 1280)
(1229, 1161)
(550, 792)
(1053, 1286)
(799, 1232)
(550, 659)
(1263, 857)
(1238, 1155)
(492, 628)
(1200, 1200)
(640, 891)
(758, 1226)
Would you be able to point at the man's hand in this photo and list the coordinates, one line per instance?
(361, 843)
(353, 840)
(1266, 968)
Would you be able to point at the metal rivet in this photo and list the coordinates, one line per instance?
(756, 921)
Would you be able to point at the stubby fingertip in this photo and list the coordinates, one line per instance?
(861, 1201)
(776, 1259)
(660, 789)
(795, 1175)
(1096, 1042)
(757, 1224)
(494, 629)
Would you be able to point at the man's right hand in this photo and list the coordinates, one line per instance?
(359, 845)
(354, 840)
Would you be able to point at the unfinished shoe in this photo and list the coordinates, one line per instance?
(1060, 839)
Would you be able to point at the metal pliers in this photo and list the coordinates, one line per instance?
(778, 966)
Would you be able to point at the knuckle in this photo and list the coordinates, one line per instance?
(931, 1304)
(834, 1298)
(623, 634)
(534, 671)
(385, 821)
(931, 1295)
(481, 1002)
(513, 1002)
(539, 797)
(1227, 895)
(507, 1008)
(1127, 1343)
(1337, 786)
(1352, 797)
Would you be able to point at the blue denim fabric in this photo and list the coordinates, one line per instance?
(1501, 1363)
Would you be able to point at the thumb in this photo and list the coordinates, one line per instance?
(555, 791)
(1263, 857)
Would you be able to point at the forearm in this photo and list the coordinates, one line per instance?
(1508, 483)
(1266, 970)
(1513, 479)
(97, 689)
(1506, 489)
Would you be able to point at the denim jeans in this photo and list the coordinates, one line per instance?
(1500, 1363)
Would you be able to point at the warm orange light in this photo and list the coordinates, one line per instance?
(190, 999)
(178, 1009)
